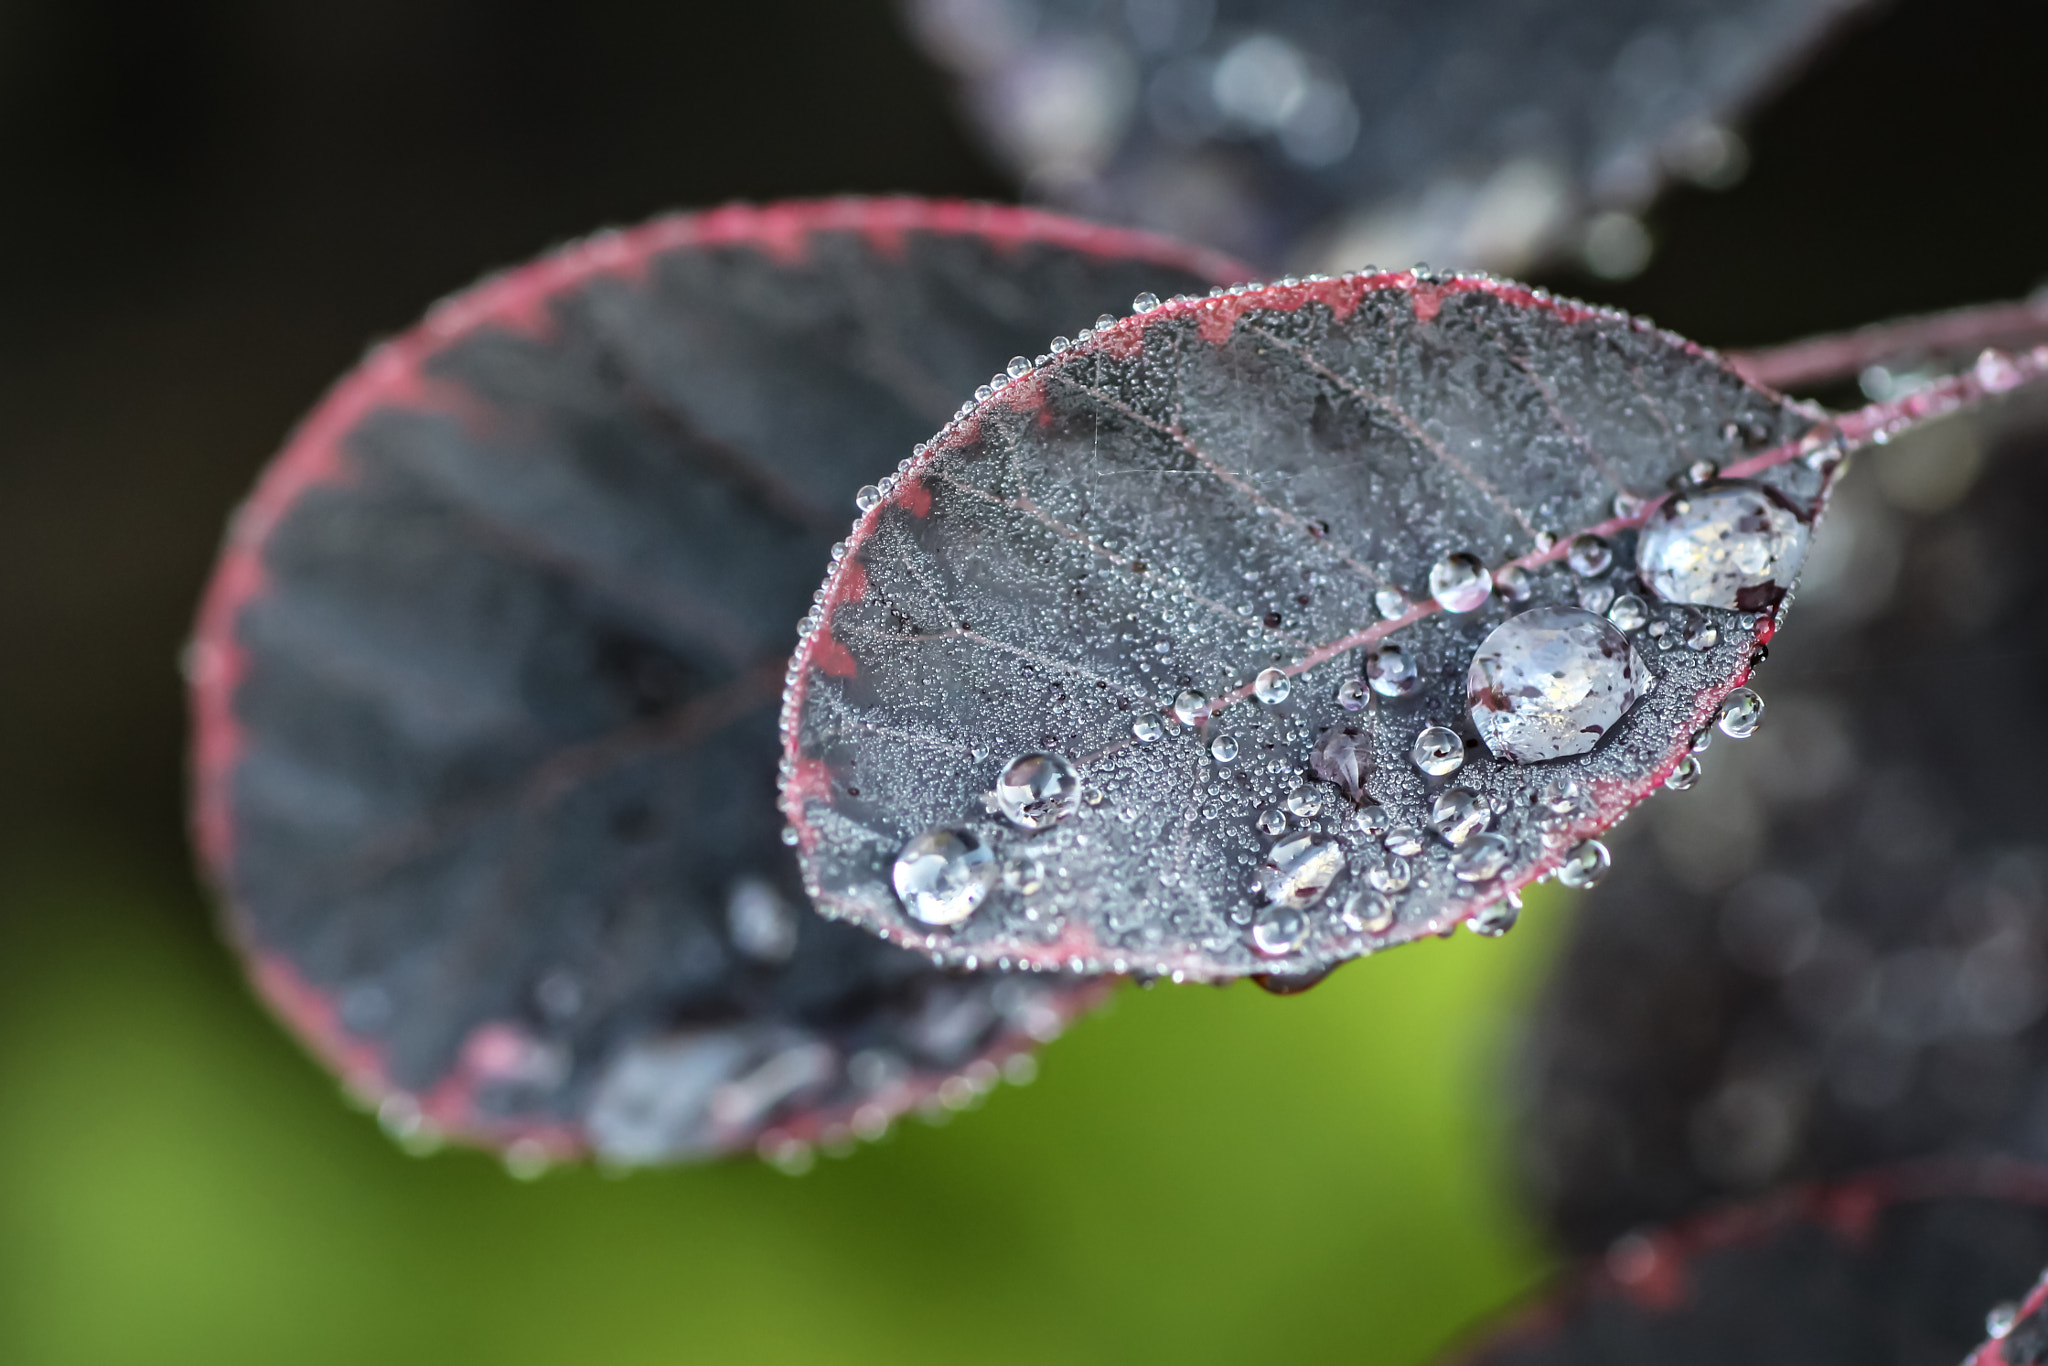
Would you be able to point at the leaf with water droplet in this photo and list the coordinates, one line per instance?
(1320, 446)
(1898, 1268)
(485, 681)
(1280, 128)
(1852, 905)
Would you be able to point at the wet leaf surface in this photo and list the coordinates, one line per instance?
(1893, 1270)
(1181, 552)
(484, 684)
(1472, 133)
(1835, 952)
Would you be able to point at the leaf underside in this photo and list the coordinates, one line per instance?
(1220, 487)
(1895, 1270)
(484, 684)
(1467, 132)
(1835, 952)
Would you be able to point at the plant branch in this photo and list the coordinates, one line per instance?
(1842, 356)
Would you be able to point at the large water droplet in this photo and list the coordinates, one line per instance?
(1391, 672)
(1559, 793)
(1392, 875)
(1279, 930)
(1481, 858)
(943, 875)
(1741, 710)
(1371, 821)
(1458, 814)
(1342, 757)
(1271, 687)
(1392, 602)
(1367, 912)
(1629, 613)
(1148, 728)
(1496, 920)
(867, 497)
(1223, 749)
(1589, 555)
(1303, 801)
(1145, 302)
(1190, 707)
(1585, 865)
(1596, 597)
(1272, 821)
(1550, 683)
(1038, 790)
(1727, 544)
(1685, 775)
(1460, 583)
(1404, 840)
(1018, 367)
(1299, 870)
(1438, 751)
(1351, 694)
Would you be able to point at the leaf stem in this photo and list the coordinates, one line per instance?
(1841, 356)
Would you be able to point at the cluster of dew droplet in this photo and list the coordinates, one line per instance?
(1327, 831)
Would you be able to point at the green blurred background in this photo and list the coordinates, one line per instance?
(212, 207)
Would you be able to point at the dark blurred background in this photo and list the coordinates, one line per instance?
(212, 208)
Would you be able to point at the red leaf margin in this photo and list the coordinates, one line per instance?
(517, 300)
(1828, 443)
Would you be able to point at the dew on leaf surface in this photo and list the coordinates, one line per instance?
(1271, 687)
(978, 599)
(1629, 613)
(1279, 929)
(1367, 911)
(1482, 858)
(1458, 814)
(942, 876)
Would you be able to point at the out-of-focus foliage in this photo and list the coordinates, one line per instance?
(1198, 1175)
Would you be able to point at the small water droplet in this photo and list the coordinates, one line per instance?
(1279, 930)
(1145, 302)
(1223, 749)
(1730, 544)
(1105, 322)
(1404, 840)
(1685, 775)
(1597, 597)
(1588, 555)
(1148, 728)
(1303, 801)
(1698, 631)
(942, 876)
(982, 393)
(1367, 911)
(1059, 344)
(1391, 672)
(1392, 602)
(1513, 584)
(1551, 683)
(1018, 367)
(1999, 1321)
(1629, 613)
(868, 496)
(1585, 865)
(1458, 814)
(1271, 687)
(1438, 751)
(1701, 472)
(1190, 708)
(1559, 793)
(1272, 821)
(1460, 583)
(790, 836)
(1392, 876)
(1351, 694)
(1299, 870)
(1371, 821)
(1481, 859)
(1629, 504)
(1741, 711)
(1496, 920)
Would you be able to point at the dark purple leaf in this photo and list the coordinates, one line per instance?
(1166, 557)
(1464, 132)
(2019, 1332)
(1835, 952)
(484, 682)
(1896, 1269)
